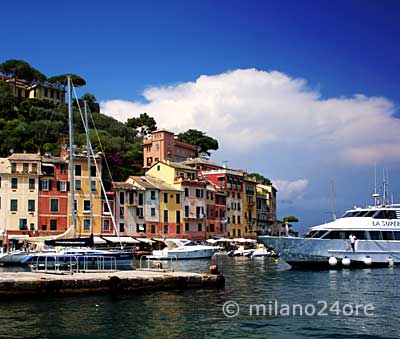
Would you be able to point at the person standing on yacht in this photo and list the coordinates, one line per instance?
(353, 239)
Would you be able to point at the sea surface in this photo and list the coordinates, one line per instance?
(250, 284)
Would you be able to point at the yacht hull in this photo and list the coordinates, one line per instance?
(311, 253)
(184, 255)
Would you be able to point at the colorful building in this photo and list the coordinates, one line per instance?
(194, 202)
(19, 194)
(161, 145)
(53, 196)
(249, 214)
(87, 194)
(216, 207)
(231, 182)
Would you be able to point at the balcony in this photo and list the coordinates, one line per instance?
(189, 181)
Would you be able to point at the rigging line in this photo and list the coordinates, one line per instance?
(53, 112)
(97, 168)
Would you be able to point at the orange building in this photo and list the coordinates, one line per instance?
(161, 145)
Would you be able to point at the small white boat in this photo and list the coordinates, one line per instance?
(184, 249)
(261, 251)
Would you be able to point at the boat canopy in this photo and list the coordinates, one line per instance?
(127, 240)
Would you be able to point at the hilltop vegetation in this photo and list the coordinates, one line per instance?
(35, 125)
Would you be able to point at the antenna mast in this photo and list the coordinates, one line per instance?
(332, 199)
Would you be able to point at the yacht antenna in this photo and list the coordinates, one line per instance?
(384, 188)
(332, 199)
(376, 194)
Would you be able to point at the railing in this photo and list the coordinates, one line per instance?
(157, 263)
(73, 264)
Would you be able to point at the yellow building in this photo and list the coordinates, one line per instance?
(19, 194)
(87, 183)
(249, 213)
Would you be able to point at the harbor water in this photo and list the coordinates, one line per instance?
(252, 305)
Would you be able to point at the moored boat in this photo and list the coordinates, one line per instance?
(184, 249)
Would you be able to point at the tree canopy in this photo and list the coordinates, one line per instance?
(144, 124)
(61, 80)
(290, 218)
(260, 178)
(20, 69)
(197, 138)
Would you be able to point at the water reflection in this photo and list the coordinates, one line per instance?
(198, 313)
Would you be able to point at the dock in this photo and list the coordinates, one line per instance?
(32, 283)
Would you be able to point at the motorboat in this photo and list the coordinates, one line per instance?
(261, 251)
(184, 249)
(120, 259)
(376, 230)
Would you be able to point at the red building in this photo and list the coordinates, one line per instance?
(53, 196)
(216, 209)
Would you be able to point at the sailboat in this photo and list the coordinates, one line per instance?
(82, 246)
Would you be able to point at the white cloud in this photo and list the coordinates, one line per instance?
(247, 109)
(290, 191)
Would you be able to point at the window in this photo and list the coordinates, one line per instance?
(238, 219)
(178, 198)
(34, 168)
(153, 195)
(233, 195)
(78, 170)
(238, 194)
(221, 227)
(238, 206)
(199, 193)
(131, 198)
(106, 210)
(178, 229)
(32, 226)
(25, 167)
(13, 205)
(44, 227)
(153, 229)
(186, 227)
(178, 217)
(212, 228)
(121, 211)
(53, 225)
(186, 211)
(158, 167)
(31, 205)
(23, 224)
(233, 219)
(86, 225)
(62, 186)
(93, 171)
(140, 199)
(121, 227)
(199, 212)
(186, 192)
(53, 205)
(106, 225)
(75, 205)
(153, 212)
(31, 184)
(63, 169)
(199, 227)
(45, 184)
(121, 198)
(13, 167)
(139, 212)
(166, 198)
(93, 185)
(141, 228)
(78, 185)
(165, 215)
(14, 183)
(86, 205)
(165, 229)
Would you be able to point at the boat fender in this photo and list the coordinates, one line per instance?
(390, 261)
(367, 260)
(332, 261)
(346, 261)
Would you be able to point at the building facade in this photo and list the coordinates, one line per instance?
(161, 145)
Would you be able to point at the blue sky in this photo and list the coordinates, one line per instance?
(338, 48)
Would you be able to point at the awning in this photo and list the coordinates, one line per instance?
(99, 241)
(212, 241)
(146, 240)
(17, 236)
(127, 240)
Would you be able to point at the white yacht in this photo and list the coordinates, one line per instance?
(183, 249)
(376, 228)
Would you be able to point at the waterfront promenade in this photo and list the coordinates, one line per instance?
(31, 283)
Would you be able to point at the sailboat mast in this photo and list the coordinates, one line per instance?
(89, 157)
(71, 154)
